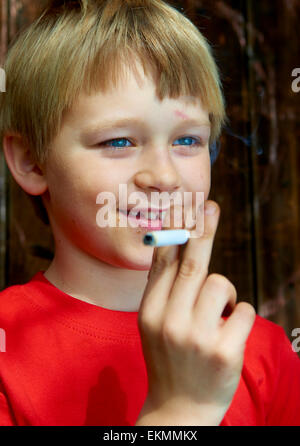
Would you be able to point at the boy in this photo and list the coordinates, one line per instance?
(102, 93)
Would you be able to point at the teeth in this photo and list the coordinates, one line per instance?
(146, 215)
(149, 215)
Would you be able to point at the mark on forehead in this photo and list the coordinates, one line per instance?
(181, 114)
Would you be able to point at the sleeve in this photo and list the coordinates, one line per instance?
(285, 407)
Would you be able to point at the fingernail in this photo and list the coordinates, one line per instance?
(210, 209)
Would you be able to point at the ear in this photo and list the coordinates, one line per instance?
(21, 165)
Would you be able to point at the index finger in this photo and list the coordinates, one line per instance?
(163, 270)
(193, 268)
(169, 264)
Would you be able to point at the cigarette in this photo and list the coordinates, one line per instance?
(167, 237)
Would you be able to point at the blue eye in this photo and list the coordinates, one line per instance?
(118, 146)
(119, 143)
(186, 138)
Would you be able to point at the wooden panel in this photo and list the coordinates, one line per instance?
(3, 166)
(29, 242)
(273, 47)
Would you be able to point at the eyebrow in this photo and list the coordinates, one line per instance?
(111, 125)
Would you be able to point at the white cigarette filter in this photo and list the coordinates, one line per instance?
(167, 237)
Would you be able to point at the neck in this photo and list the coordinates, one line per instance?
(91, 280)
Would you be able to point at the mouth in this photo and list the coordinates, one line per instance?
(145, 218)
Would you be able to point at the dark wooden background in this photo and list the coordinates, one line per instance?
(255, 178)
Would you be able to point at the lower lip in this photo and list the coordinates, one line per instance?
(154, 225)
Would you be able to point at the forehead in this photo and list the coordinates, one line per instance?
(181, 114)
(132, 86)
(120, 110)
(132, 103)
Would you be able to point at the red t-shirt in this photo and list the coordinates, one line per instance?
(68, 362)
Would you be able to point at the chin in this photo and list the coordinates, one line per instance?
(138, 262)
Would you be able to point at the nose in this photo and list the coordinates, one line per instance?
(158, 173)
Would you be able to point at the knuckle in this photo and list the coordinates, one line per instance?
(161, 263)
(216, 279)
(222, 359)
(189, 268)
(170, 333)
(146, 323)
(167, 330)
(198, 344)
(208, 233)
(221, 282)
(247, 309)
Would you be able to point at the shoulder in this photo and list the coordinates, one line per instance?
(274, 366)
(266, 340)
(269, 350)
(10, 297)
(15, 299)
(263, 331)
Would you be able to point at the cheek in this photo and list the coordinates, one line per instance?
(205, 175)
(204, 180)
(199, 179)
(102, 176)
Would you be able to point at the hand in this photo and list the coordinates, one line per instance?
(193, 356)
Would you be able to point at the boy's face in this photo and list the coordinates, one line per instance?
(158, 155)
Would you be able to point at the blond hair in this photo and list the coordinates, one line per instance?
(85, 46)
